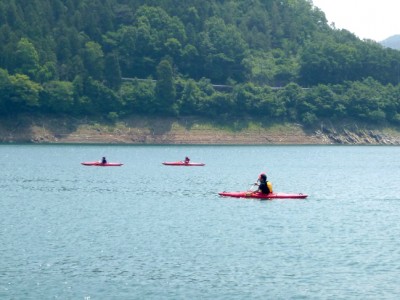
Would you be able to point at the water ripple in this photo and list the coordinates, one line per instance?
(146, 231)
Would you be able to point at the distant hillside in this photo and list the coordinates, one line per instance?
(392, 42)
(222, 59)
(272, 42)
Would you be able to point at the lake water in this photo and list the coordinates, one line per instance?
(148, 231)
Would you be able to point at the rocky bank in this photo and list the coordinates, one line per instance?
(140, 130)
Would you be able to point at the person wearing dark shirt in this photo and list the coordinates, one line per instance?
(264, 186)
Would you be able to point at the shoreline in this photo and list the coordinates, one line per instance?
(186, 131)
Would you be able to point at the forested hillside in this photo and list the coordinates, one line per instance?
(268, 59)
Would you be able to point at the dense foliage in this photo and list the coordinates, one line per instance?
(214, 58)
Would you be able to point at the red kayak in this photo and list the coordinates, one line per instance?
(257, 195)
(100, 164)
(182, 163)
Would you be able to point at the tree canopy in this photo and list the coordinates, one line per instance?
(275, 59)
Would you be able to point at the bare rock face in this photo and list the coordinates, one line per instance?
(357, 137)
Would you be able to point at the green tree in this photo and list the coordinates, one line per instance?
(24, 95)
(138, 97)
(224, 49)
(190, 62)
(58, 96)
(165, 88)
(291, 95)
(272, 106)
(218, 105)
(27, 58)
(94, 60)
(191, 98)
(366, 100)
(112, 73)
(248, 98)
(5, 90)
(102, 99)
(47, 72)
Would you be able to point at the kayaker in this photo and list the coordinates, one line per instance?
(264, 186)
(187, 160)
(103, 160)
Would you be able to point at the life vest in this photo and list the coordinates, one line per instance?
(269, 185)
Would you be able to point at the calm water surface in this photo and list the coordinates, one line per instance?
(148, 231)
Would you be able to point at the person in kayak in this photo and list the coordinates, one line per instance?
(264, 186)
(103, 160)
(187, 160)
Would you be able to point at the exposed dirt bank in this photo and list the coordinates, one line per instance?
(140, 130)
